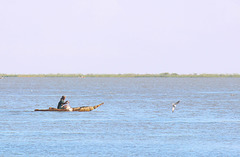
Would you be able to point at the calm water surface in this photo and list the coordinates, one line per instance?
(135, 120)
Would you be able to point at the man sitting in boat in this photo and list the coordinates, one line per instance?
(62, 104)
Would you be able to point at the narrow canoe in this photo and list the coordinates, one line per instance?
(79, 109)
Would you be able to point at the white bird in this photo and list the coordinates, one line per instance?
(174, 105)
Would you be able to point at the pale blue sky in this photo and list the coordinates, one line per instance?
(119, 36)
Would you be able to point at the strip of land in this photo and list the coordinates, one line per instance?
(120, 75)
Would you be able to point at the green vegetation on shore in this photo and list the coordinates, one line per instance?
(120, 75)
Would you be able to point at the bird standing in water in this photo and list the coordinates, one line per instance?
(174, 105)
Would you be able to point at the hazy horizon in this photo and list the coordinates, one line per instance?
(167, 73)
(120, 36)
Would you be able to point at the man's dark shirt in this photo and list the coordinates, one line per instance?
(61, 102)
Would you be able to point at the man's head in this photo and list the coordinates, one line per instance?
(63, 97)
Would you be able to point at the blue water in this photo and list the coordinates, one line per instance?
(135, 120)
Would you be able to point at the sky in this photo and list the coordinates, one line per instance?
(119, 36)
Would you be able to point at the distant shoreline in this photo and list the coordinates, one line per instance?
(120, 75)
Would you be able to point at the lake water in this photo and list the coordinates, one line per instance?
(135, 120)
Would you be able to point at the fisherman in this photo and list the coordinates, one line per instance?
(61, 103)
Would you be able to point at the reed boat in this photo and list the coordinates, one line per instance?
(79, 109)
